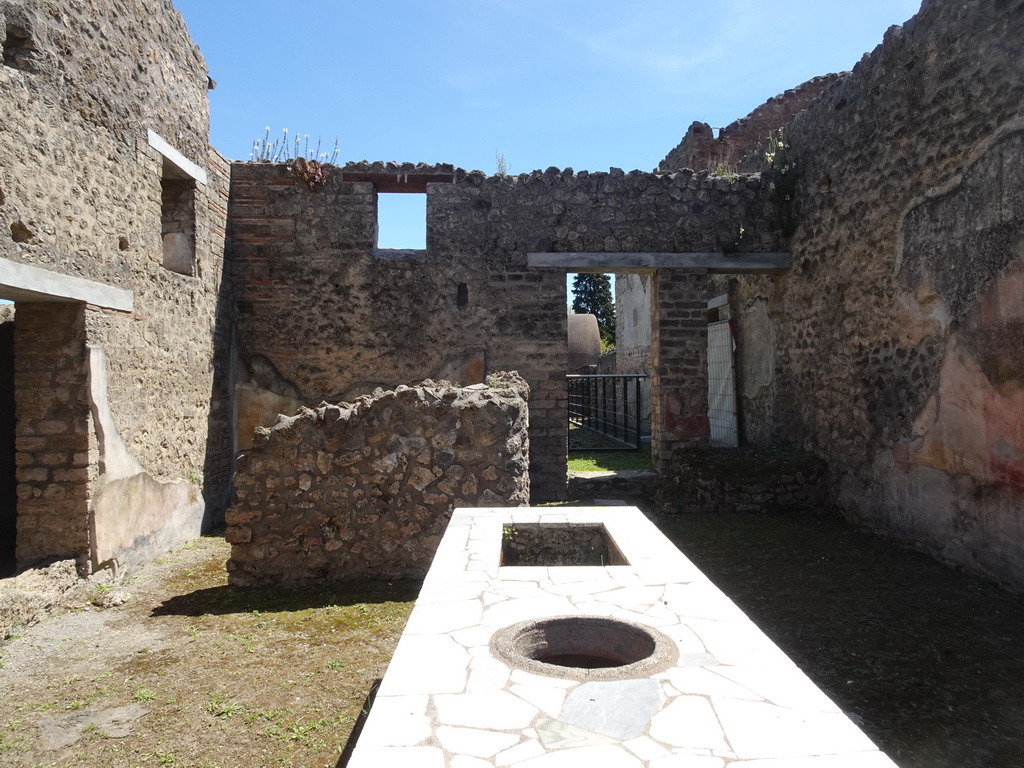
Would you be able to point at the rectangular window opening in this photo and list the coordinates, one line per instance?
(178, 225)
(401, 221)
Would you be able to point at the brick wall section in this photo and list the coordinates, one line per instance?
(679, 392)
(330, 319)
(365, 489)
(56, 451)
(700, 150)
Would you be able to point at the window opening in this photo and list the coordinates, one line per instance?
(402, 221)
(178, 224)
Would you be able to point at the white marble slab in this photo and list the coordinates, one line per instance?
(732, 698)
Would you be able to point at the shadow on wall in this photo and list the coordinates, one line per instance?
(8, 484)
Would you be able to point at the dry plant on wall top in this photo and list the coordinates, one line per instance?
(782, 173)
(313, 167)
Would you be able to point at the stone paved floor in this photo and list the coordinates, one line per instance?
(729, 698)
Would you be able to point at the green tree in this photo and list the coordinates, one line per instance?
(593, 296)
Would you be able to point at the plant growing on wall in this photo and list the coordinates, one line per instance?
(782, 179)
(310, 165)
(312, 172)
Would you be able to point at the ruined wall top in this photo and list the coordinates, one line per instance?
(365, 489)
(700, 150)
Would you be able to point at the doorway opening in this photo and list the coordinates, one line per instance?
(8, 482)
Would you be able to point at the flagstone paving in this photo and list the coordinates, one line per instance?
(727, 696)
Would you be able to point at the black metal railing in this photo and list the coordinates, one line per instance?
(609, 407)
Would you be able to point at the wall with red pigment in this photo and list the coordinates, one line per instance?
(892, 347)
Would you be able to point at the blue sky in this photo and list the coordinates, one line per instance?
(590, 84)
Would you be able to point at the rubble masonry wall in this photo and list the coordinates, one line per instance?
(365, 489)
(892, 346)
(80, 194)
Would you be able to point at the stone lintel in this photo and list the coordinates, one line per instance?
(398, 182)
(176, 165)
(731, 263)
(22, 282)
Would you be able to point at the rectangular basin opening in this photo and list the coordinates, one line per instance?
(524, 544)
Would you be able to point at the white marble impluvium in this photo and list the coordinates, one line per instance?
(732, 699)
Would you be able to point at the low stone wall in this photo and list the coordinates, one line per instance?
(365, 489)
(757, 480)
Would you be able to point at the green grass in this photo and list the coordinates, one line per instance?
(609, 461)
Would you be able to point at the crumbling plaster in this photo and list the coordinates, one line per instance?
(897, 329)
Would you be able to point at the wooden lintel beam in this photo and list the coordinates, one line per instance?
(728, 263)
(400, 182)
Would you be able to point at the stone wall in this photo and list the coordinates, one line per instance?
(891, 348)
(81, 195)
(751, 480)
(365, 489)
(324, 315)
(701, 150)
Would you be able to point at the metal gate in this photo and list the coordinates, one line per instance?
(605, 411)
(722, 386)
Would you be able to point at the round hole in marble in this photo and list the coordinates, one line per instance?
(584, 648)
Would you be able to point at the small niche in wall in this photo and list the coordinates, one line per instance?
(178, 224)
(462, 295)
(179, 180)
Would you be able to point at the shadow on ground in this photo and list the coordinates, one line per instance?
(222, 600)
(926, 659)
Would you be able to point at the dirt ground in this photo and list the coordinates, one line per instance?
(189, 672)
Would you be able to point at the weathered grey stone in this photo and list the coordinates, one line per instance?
(891, 348)
(381, 511)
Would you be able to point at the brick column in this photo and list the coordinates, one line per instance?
(54, 456)
(679, 351)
